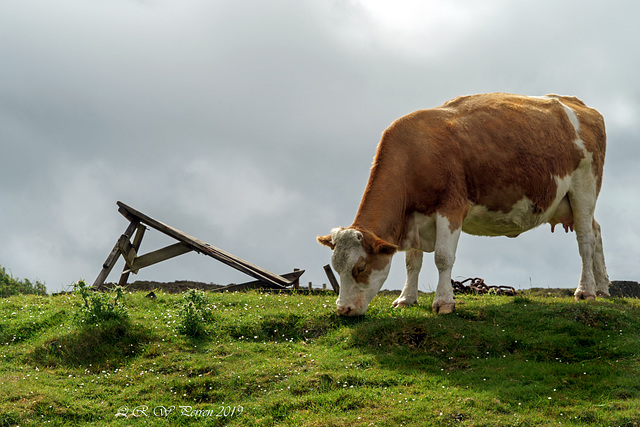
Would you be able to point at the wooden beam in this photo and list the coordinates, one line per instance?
(128, 252)
(157, 256)
(256, 284)
(112, 258)
(205, 248)
(332, 278)
(135, 247)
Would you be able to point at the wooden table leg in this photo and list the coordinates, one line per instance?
(113, 256)
(136, 246)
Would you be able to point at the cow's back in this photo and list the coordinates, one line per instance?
(498, 148)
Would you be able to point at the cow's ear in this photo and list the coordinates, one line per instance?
(382, 247)
(375, 245)
(326, 240)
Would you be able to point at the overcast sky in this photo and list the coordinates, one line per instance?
(252, 124)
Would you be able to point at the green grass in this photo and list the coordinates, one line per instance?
(278, 359)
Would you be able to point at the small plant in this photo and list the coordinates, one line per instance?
(195, 313)
(99, 307)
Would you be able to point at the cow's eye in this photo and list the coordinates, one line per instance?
(359, 268)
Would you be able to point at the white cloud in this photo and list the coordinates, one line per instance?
(426, 28)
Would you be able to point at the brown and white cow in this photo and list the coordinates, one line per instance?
(489, 165)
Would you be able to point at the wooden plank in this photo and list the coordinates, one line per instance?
(137, 241)
(296, 281)
(332, 278)
(107, 267)
(293, 276)
(205, 248)
(112, 258)
(124, 236)
(128, 252)
(158, 256)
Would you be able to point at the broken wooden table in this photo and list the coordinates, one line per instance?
(138, 223)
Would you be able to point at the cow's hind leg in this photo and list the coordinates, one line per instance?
(409, 294)
(445, 255)
(599, 266)
(582, 199)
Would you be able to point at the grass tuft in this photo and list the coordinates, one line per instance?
(106, 346)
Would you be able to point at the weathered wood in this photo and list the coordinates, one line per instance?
(137, 241)
(110, 262)
(332, 278)
(204, 248)
(127, 251)
(257, 284)
(157, 256)
(187, 243)
(296, 281)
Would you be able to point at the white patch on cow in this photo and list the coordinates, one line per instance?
(354, 297)
(573, 117)
(444, 257)
(481, 221)
(575, 122)
(420, 233)
(348, 248)
(409, 294)
(420, 237)
(583, 200)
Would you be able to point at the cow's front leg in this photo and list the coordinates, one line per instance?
(445, 255)
(409, 294)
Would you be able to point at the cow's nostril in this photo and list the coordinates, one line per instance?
(344, 310)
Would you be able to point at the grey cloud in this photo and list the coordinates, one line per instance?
(253, 125)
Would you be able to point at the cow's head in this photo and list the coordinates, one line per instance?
(362, 260)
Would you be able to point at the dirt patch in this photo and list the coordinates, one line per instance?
(619, 288)
(176, 287)
(181, 286)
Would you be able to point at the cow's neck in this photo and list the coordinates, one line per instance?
(382, 209)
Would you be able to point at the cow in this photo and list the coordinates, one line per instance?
(492, 164)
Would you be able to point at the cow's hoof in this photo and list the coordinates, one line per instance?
(603, 294)
(579, 296)
(443, 307)
(402, 302)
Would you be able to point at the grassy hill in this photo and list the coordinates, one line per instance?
(286, 359)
